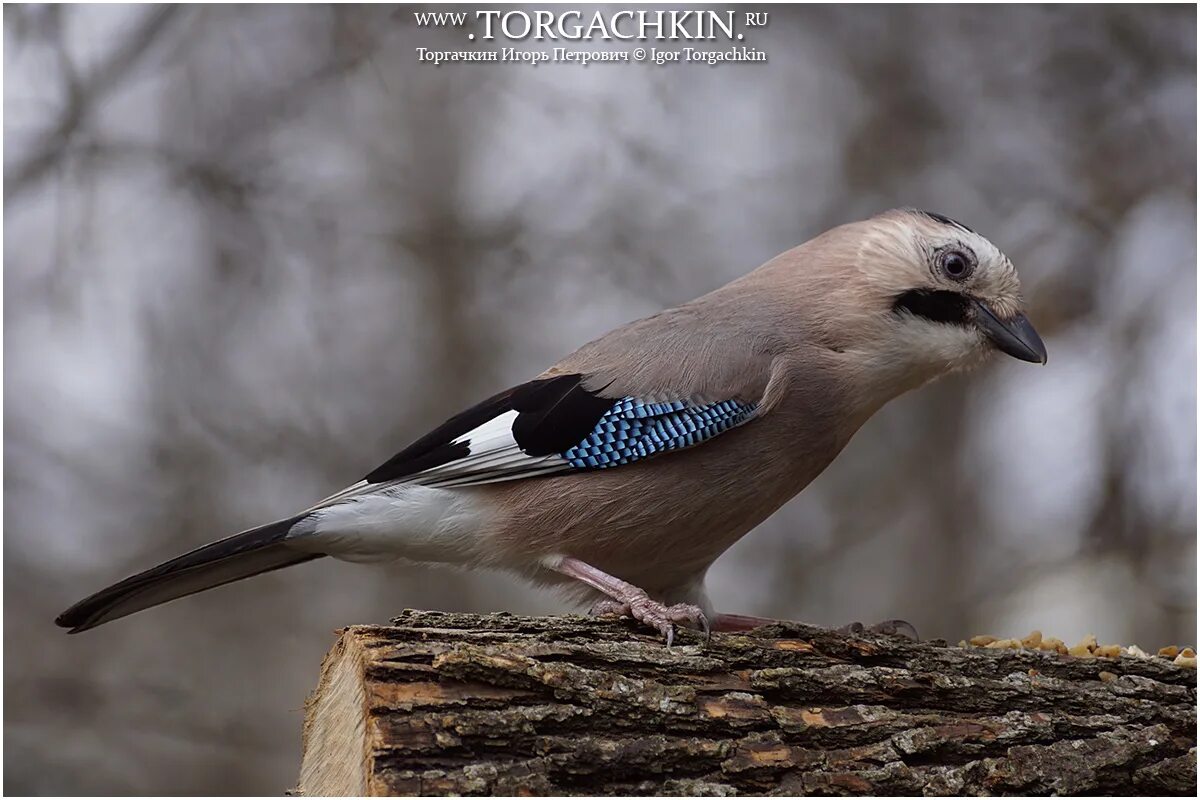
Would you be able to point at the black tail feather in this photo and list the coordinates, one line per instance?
(243, 555)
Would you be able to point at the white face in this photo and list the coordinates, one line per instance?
(947, 297)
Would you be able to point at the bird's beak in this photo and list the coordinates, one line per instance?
(1013, 335)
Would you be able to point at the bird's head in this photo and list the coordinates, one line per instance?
(910, 295)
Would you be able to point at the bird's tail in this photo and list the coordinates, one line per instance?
(240, 556)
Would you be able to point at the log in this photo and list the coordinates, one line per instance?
(442, 704)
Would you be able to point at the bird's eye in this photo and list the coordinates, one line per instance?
(955, 265)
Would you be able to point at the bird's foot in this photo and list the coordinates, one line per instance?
(889, 627)
(609, 608)
(663, 618)
(629, 600)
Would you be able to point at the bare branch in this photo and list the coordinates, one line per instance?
(84, 94)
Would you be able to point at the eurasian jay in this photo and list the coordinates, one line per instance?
(622, 472)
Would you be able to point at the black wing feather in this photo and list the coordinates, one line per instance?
(553, 414)
(555, 417)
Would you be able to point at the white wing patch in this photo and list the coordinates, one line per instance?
(495, 456)
(630, 430)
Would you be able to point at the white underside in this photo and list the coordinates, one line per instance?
(426, 517)
(400, 522)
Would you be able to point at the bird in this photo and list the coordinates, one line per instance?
(621, 473)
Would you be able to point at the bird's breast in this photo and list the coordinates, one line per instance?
(660, 523)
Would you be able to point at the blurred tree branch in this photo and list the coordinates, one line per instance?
(83, 94)
(277, 247)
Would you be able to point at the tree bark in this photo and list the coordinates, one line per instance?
(440, 704)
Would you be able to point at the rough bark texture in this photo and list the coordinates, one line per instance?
(441, 704)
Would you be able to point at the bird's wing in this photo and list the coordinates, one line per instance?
(663, 383)
(553, 425)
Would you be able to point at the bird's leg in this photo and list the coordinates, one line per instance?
(629, 600)
(891, 627)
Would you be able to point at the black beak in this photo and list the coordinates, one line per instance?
(1014, 335)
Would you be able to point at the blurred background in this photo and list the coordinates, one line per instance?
(252, 251)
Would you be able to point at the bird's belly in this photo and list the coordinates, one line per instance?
(657, 525)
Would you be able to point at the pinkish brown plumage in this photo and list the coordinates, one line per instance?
(627, 468)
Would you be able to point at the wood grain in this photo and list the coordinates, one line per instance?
(440, 704)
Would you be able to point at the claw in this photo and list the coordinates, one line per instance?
(628, 600)
(664, 618)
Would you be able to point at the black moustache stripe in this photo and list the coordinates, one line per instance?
(936, 305)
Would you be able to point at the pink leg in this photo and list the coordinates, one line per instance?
(629, 599)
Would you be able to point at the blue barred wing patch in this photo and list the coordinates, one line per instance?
(633, 429)
(545, 427)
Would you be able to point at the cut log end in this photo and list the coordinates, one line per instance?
(460, 704)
